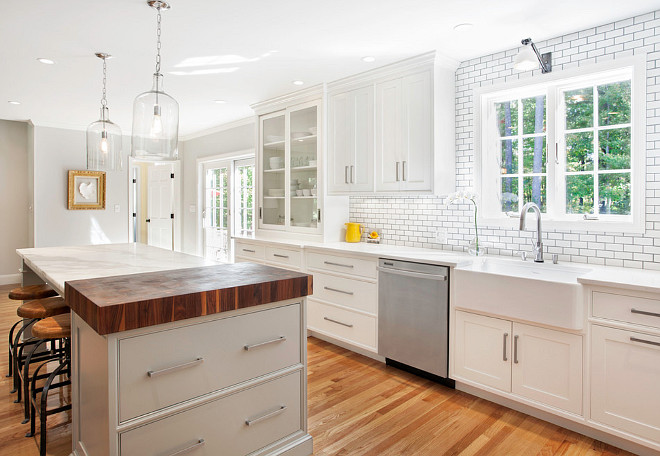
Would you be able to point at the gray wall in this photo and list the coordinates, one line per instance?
(56, 151)
(225, 142)
(14, 199)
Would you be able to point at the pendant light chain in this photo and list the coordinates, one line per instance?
(158, 42)
(104, 101)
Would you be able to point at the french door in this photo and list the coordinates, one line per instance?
(228, 205)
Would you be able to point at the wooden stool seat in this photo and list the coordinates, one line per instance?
(43, 308)
(32, 292)
(56, 327)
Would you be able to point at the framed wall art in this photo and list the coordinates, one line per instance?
(86, 190)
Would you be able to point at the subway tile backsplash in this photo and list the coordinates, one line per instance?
(424, 221)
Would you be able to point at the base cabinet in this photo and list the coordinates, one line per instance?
(536, 363)
(625, 380)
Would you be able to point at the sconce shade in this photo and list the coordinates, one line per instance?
(526, 59)
(104, 144)
(155, 124)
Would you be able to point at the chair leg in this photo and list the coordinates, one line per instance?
(26, 380)
(44, 402)
(11, 348)
(16, 361)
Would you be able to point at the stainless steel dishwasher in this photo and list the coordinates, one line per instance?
(413, 316)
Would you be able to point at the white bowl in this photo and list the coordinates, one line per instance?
(299, 193)
(306, 192)
(276, 192)
(313, 192)
(312, 130)
(312, 163)
(276, 162)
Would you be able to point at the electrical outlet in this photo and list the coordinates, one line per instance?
(441, 235)
(192, 208)
(117, 208)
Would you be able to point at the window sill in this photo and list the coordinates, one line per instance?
(564, 225)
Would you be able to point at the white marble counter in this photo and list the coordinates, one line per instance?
(57, 265)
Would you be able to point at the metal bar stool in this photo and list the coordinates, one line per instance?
(34, 311)
(52, 328)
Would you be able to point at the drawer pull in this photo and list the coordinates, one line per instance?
(650, 342)
(338, 264)
(280, 256)
(504, 358)
(249, 250)
(644, 312)
(266, 416)
(339, 291)
(515, 349)
(200, 443)
(338, 322)
(167, 370)
(250, 347)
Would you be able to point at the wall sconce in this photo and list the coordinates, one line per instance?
(528, 58)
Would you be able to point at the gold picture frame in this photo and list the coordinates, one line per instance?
(86, 190)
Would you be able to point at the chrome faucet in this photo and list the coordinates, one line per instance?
(538, 247)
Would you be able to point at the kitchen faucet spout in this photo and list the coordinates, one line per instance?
(538, 247)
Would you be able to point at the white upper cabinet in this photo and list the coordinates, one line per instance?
(350, 141)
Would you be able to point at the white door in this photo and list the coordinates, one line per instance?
(417, 132)
(482, 351)
(625, 381)
(388, 135)
(160, 206)
(339, 143)
(547, 367)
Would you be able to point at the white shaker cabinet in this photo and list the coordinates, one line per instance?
(536, 363)
(350, 141)
(404, 133)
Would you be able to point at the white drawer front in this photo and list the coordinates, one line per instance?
(345, 265)
(285, 257)
(346, 292)
(247, 250)
(342, 324)
(221, 424)
(221, 345)
(629, 309)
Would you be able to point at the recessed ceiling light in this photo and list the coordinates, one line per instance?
(14, 102)
(298, 83)
(368, 58)
(464, 27)
(46, 61)
(220, 101)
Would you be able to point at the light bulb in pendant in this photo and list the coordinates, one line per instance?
(156, 123)
(104, 141)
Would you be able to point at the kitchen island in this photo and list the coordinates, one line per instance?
(172, 354)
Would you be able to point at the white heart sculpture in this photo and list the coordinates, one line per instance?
(87, 190)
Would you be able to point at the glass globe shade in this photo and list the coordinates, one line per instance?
(104, 144)
(526, 59)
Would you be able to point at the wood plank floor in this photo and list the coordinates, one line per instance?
(357, 406)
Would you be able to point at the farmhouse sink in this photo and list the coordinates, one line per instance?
(543, 293)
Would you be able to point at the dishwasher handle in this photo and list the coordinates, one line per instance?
(417, 275)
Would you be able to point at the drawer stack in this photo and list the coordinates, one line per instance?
(285, 256)
(345, 301)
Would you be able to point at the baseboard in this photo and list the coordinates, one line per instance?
(10, 279)
(346, 345)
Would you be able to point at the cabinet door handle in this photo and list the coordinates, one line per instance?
(515, 349)
(644, 312)
(167, 370)
(261, 344)
(280, 256)
(338, 264)
(338, 322)
(346, 174)
(403, 170)
(397, 171)
(249, 250)
(650, 342)
(318, 215)
(266, 416)
(504, 358)
(352, 174)
(200, 443)
(338, 291)
(260, 214)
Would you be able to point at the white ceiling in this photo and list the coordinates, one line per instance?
(315, 41)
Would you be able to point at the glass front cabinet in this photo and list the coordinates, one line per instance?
(289, 159)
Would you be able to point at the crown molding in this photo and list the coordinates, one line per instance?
(219, 128)
(281, 102)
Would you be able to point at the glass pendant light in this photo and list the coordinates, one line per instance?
(103, 136)
(155, 113)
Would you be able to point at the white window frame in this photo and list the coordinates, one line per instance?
(488, 184)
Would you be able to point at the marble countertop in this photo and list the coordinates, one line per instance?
(57, 265)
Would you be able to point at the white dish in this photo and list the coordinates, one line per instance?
(312, 130)
(276, 162)
(276, 192)
(313, 192)
(306, 192)
(299, 193)
(302, 224)
(300, 134)
(274, 138)
(312, 163)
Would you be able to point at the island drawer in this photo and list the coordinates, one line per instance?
(272, 409)
(628, 309)
(247, 250)
(345, 265)
(167, 367)
(343, 291)
(342, 324)
(285, 257)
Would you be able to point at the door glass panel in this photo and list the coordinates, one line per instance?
(304, 175)
(244, 217)
(273, 178)
(216, 233)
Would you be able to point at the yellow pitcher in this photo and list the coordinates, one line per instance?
(353, 232)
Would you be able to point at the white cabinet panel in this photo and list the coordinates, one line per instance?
(388, 135)
(342, 324)
(362, 267)
(248, 250)
(547, 366)
(417, 132)
(625, 381)
(483, 349)
(346, 292)
(629, 309)
(288, 258)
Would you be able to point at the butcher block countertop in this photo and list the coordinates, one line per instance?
(178, 286)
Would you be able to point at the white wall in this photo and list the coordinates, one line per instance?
(224, 142)
(56, 151)
(14, 197)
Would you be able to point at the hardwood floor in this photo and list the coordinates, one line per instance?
(357, 406)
